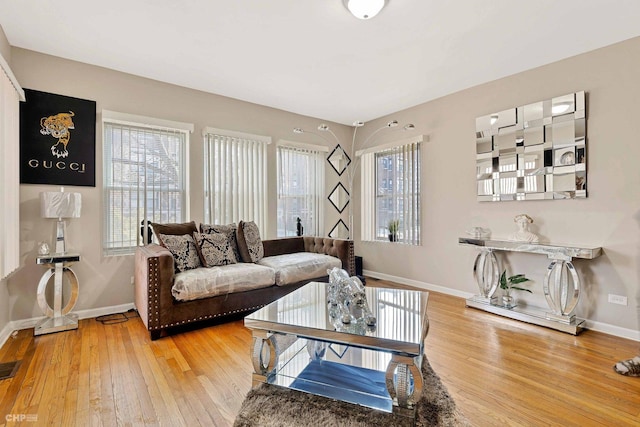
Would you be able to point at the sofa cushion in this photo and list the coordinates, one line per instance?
(249, 242)
(208, 282)
(214, 249)
(296, 267)
(229, 230)
(183, 249)
(173, 229)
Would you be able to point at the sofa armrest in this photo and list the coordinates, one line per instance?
(339, 248)
(342, 249)
(154, 274)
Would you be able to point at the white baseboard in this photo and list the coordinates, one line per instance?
(417, 284)
(18, 325)
(589, 324)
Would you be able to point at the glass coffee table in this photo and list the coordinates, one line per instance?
(297, 345)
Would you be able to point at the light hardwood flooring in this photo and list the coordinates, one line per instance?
(499, 372)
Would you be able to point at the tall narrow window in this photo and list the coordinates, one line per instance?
(10, 96)
(300, 189)
(235, 177)
(391, 191)
(145, 178)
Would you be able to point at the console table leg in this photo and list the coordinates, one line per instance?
(400, 371)
(562, 289)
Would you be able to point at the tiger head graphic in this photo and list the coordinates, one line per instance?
(58, 126)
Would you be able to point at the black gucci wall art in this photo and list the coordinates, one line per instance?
(57, 140)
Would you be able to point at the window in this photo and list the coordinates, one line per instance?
(391, 191)
(10, 96)
(235, 177)
(300, 188)
(145, 177)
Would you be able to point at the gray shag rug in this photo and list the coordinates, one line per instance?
(271, 406)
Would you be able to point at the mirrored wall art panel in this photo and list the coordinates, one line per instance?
(339, 231)
(339, 197)
(339, 160)
(533, 152)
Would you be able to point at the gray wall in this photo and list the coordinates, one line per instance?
(609, 217)
(106, 281)
(5, 51)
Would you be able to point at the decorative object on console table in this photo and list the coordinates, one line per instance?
(523, 234)
(561, 288)
(60, 205)
(58, 318)
(508, 285)
(57, 140)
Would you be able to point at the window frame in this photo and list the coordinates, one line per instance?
(320, 153)
(373, 194)
(140, 123)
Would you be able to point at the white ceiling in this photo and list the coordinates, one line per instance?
(313, 57)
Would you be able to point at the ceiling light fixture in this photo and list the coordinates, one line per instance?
(364, 9)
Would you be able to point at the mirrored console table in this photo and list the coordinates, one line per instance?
(561, 283)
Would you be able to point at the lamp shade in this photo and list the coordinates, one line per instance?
(57, 204)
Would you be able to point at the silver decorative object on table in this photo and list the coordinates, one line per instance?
(562, 284)
(347, 301)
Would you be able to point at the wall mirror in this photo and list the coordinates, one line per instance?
(339, 160)
(533, 152)
(339, 197)
(339, 231)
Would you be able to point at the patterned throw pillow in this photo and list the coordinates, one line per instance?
(228, 230)
(249, 242)
(215, 249)
(183, 249)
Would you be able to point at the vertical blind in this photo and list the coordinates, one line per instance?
(391, 191)
(145, 178)
(300, 189)
(10, 95)
(235, 173)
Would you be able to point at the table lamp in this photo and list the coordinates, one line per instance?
(58, 204)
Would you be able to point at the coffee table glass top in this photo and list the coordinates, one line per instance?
(400, 328)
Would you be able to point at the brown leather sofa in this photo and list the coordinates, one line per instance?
(160, 311)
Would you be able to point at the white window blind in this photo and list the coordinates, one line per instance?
(10, 96)
(300, 189)
(145, 178)
(391, 191)
(235, 174)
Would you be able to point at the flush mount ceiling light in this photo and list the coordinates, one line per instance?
(364, 9)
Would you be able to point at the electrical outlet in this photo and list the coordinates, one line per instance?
(132, 280)
(617, 299)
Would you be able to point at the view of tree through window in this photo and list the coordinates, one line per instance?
(144, 179)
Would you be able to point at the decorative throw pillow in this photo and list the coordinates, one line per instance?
(215, 249)
(183, 249)
(228, 230)
(249, 243)
(173, 229)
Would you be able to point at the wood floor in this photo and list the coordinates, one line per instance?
(499, 371)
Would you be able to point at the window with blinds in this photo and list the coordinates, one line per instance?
(235, 177)
(10, 96)
(145, 179)
(391, 192)
(300, 189)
